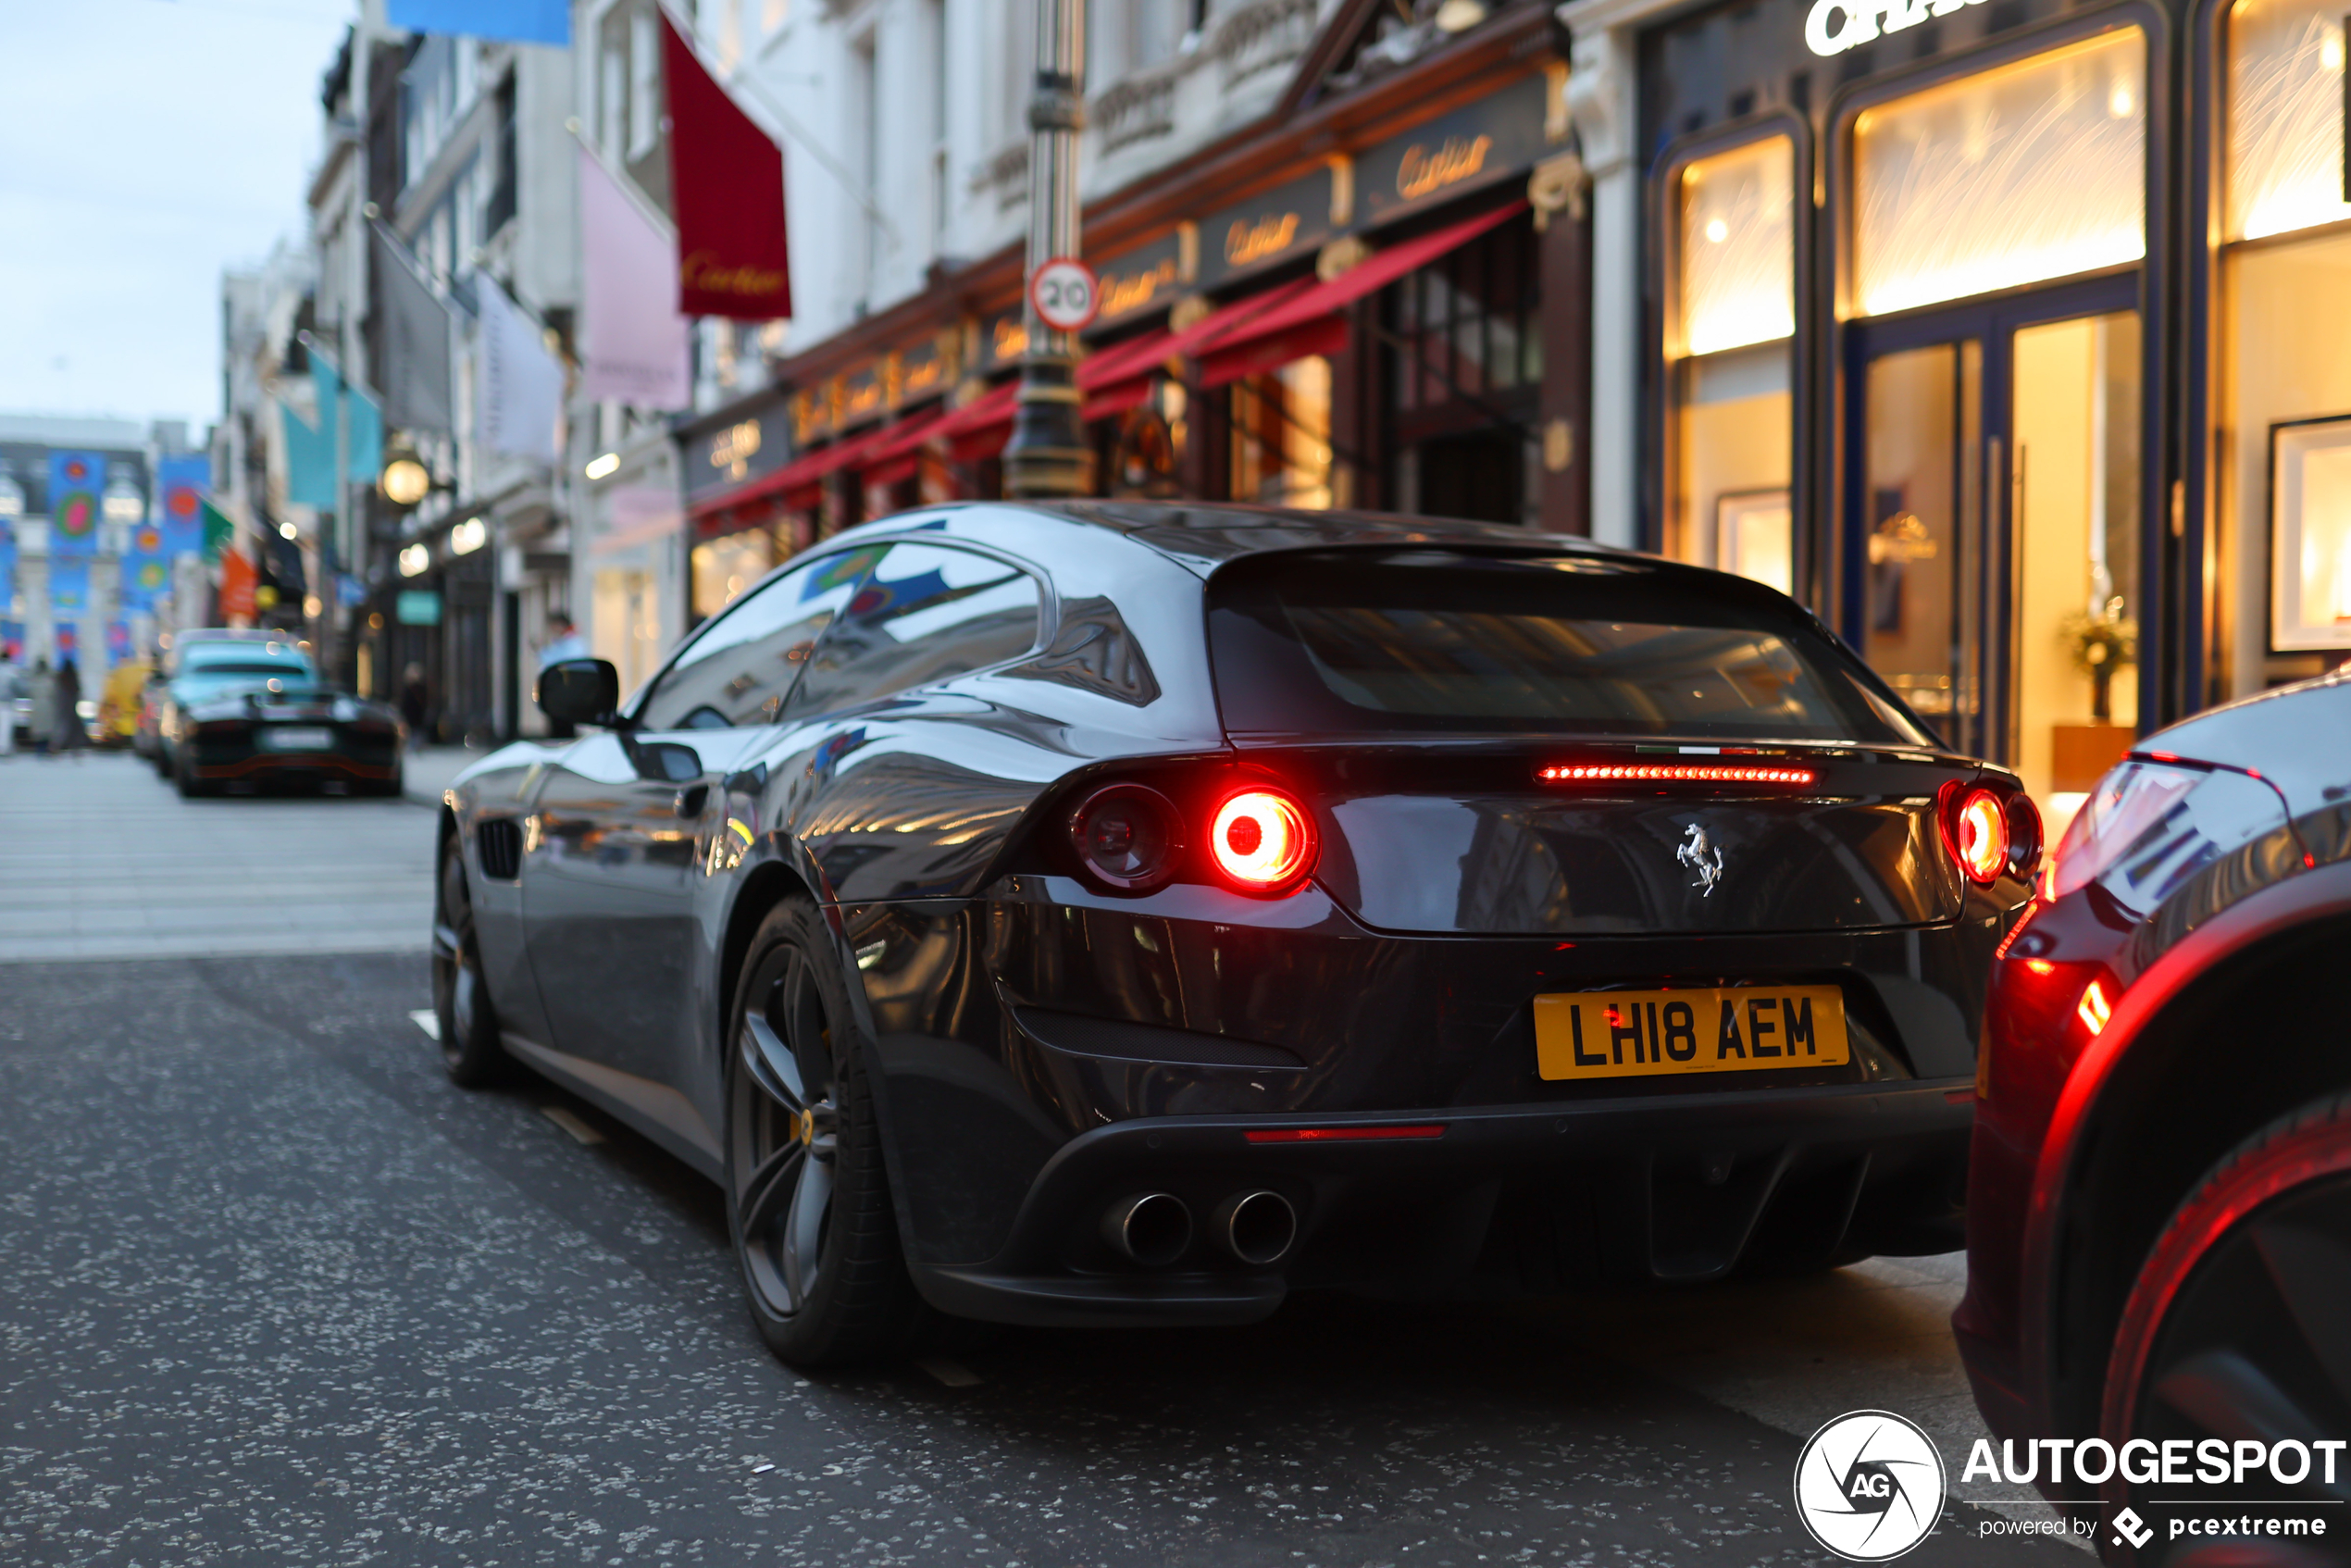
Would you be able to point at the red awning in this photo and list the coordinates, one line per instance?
(1246, 346)
(799, 474)
(1134, 357)
(978, 429)
(1115, 400)
(895, 457)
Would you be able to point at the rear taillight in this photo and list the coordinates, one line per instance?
(1670, 773)
(1980, 836)
(1263, 841)
(1991, 831)
(1127, 838)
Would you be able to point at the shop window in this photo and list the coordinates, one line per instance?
(2285, 116)
(2284, 407)
(2032, 171)
(1281, 435)
(1462, 366)
(1730, 436)
(723, 568)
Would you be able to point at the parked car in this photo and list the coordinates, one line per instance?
(204, 664)
(2160, 1212)
(1108, 914)
(281, 735)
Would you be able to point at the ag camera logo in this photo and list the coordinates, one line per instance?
(1869, 1486)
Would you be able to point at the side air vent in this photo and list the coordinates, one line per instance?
(498, 840)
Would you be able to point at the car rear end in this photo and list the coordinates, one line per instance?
(1546, 919)
(300, 735)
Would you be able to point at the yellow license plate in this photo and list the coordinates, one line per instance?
(1641, 1034)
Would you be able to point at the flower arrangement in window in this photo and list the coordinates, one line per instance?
(2101, 644)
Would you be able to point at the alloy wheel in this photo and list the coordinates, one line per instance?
(786, 1129)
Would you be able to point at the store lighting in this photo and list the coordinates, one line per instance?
(287, 530)
(415, 560)
(405, 481)
(1460, 16)
(312, 606)
(468, 536)
(603, 466)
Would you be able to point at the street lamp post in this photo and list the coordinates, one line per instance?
(1047, 454)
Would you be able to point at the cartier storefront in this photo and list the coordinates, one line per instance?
(2003, 333)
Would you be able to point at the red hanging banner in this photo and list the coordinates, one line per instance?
(239, 581)
(727, 185)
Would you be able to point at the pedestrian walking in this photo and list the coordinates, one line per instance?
(11, 688)
(564, 642)
(66, 731)
(413, 698)
(43, 689)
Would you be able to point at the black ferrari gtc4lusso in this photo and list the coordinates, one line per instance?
(1128, 914)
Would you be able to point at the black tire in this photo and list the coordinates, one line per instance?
(470, 1049)
(808, 1204)
(183, 776)
(2238, 1324)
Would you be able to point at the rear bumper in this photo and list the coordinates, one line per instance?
(291, 765)
(1504, 1200)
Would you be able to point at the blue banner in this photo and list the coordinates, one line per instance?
(181, 482)
(145, 578)
(518, 21)
(12, 640)
(8, 569)
(118, 642)
(363, 436)
(310, 458)
(76, 479)
(69, 585)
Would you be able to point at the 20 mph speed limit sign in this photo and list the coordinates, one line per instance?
(1065, 294)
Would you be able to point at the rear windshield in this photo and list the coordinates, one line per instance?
(210, 679)
(1428, 641)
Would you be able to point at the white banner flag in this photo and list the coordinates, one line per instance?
(633, 343)
(521, 385)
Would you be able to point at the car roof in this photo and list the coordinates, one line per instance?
(1203, 536)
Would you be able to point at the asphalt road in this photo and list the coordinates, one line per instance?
(272, 1291)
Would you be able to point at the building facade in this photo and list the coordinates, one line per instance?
(1342, 253)
(1996, 331)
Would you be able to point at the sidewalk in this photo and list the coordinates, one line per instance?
(430, 771)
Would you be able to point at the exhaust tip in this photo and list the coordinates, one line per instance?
(1150, 1229)
(1257, 1227)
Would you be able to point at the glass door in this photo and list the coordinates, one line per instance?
(1993, 520)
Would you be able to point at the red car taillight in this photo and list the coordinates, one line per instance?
(1263, 841)
(1990, 830)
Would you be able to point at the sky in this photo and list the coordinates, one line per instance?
(145, 145)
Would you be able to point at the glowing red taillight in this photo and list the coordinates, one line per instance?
(1263, 841)
(1354, 1134)
(1979, 836)
(1670, 773)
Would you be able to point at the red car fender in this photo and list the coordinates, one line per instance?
(2304, 897)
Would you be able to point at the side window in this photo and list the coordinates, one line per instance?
(927, 613)
(742, 667)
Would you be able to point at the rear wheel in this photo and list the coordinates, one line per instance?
(184, 777)
(2239, 1326)
(808, 1203)
(469, 1044)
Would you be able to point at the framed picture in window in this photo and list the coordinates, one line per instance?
(2310, 534)
(1754, 536)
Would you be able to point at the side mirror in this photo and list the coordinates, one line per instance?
(579, 691)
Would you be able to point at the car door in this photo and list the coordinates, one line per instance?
(624, 818)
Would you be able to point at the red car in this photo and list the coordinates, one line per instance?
(2159, 1196)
